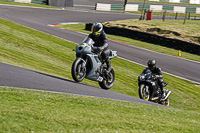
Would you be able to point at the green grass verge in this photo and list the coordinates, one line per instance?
(143, 25)
(34, 111)
(25, 4)
(24, 111)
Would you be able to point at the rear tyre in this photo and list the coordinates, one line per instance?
(109, 81)
(78, 71)
(144, 92)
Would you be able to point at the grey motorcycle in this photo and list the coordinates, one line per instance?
(89, 65)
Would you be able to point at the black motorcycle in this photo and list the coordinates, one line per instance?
(150, 90)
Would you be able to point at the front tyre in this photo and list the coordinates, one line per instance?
(78, 71)
(108, 82)
(144, 92)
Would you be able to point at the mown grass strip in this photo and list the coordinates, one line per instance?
(35, 111)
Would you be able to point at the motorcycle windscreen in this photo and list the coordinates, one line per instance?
(88, 41)
(146, 71)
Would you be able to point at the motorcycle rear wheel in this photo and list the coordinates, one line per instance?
(144, 92)
(108, 83)
(77, 71)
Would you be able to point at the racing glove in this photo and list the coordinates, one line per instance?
(100, 49)
(95, 49)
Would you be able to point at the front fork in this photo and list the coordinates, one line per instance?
(84, 62)
(82, 68)
(146, 90)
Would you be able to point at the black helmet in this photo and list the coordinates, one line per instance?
(151, 64)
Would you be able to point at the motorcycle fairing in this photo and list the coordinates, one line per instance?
(95, 63)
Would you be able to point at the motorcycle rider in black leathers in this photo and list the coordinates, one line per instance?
(156, 71)
(101, 43)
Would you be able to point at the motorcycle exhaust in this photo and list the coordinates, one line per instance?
(167, 95)
(155, 98)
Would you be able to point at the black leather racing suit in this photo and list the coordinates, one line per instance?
(157, 71)
(102, 43)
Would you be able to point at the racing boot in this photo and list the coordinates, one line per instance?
(162, 94)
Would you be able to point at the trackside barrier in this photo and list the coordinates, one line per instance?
(179, 9)
(56, 3)
(180, 1)
(39, 1)
(155, 8)
(198, 11)
(23, 1)
(117, 7)
(103, 7)
(174, 1)
(131, 7)
(31, 1)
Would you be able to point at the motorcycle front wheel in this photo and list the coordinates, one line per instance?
(109, 81)
(78, 71)
(144, 92)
